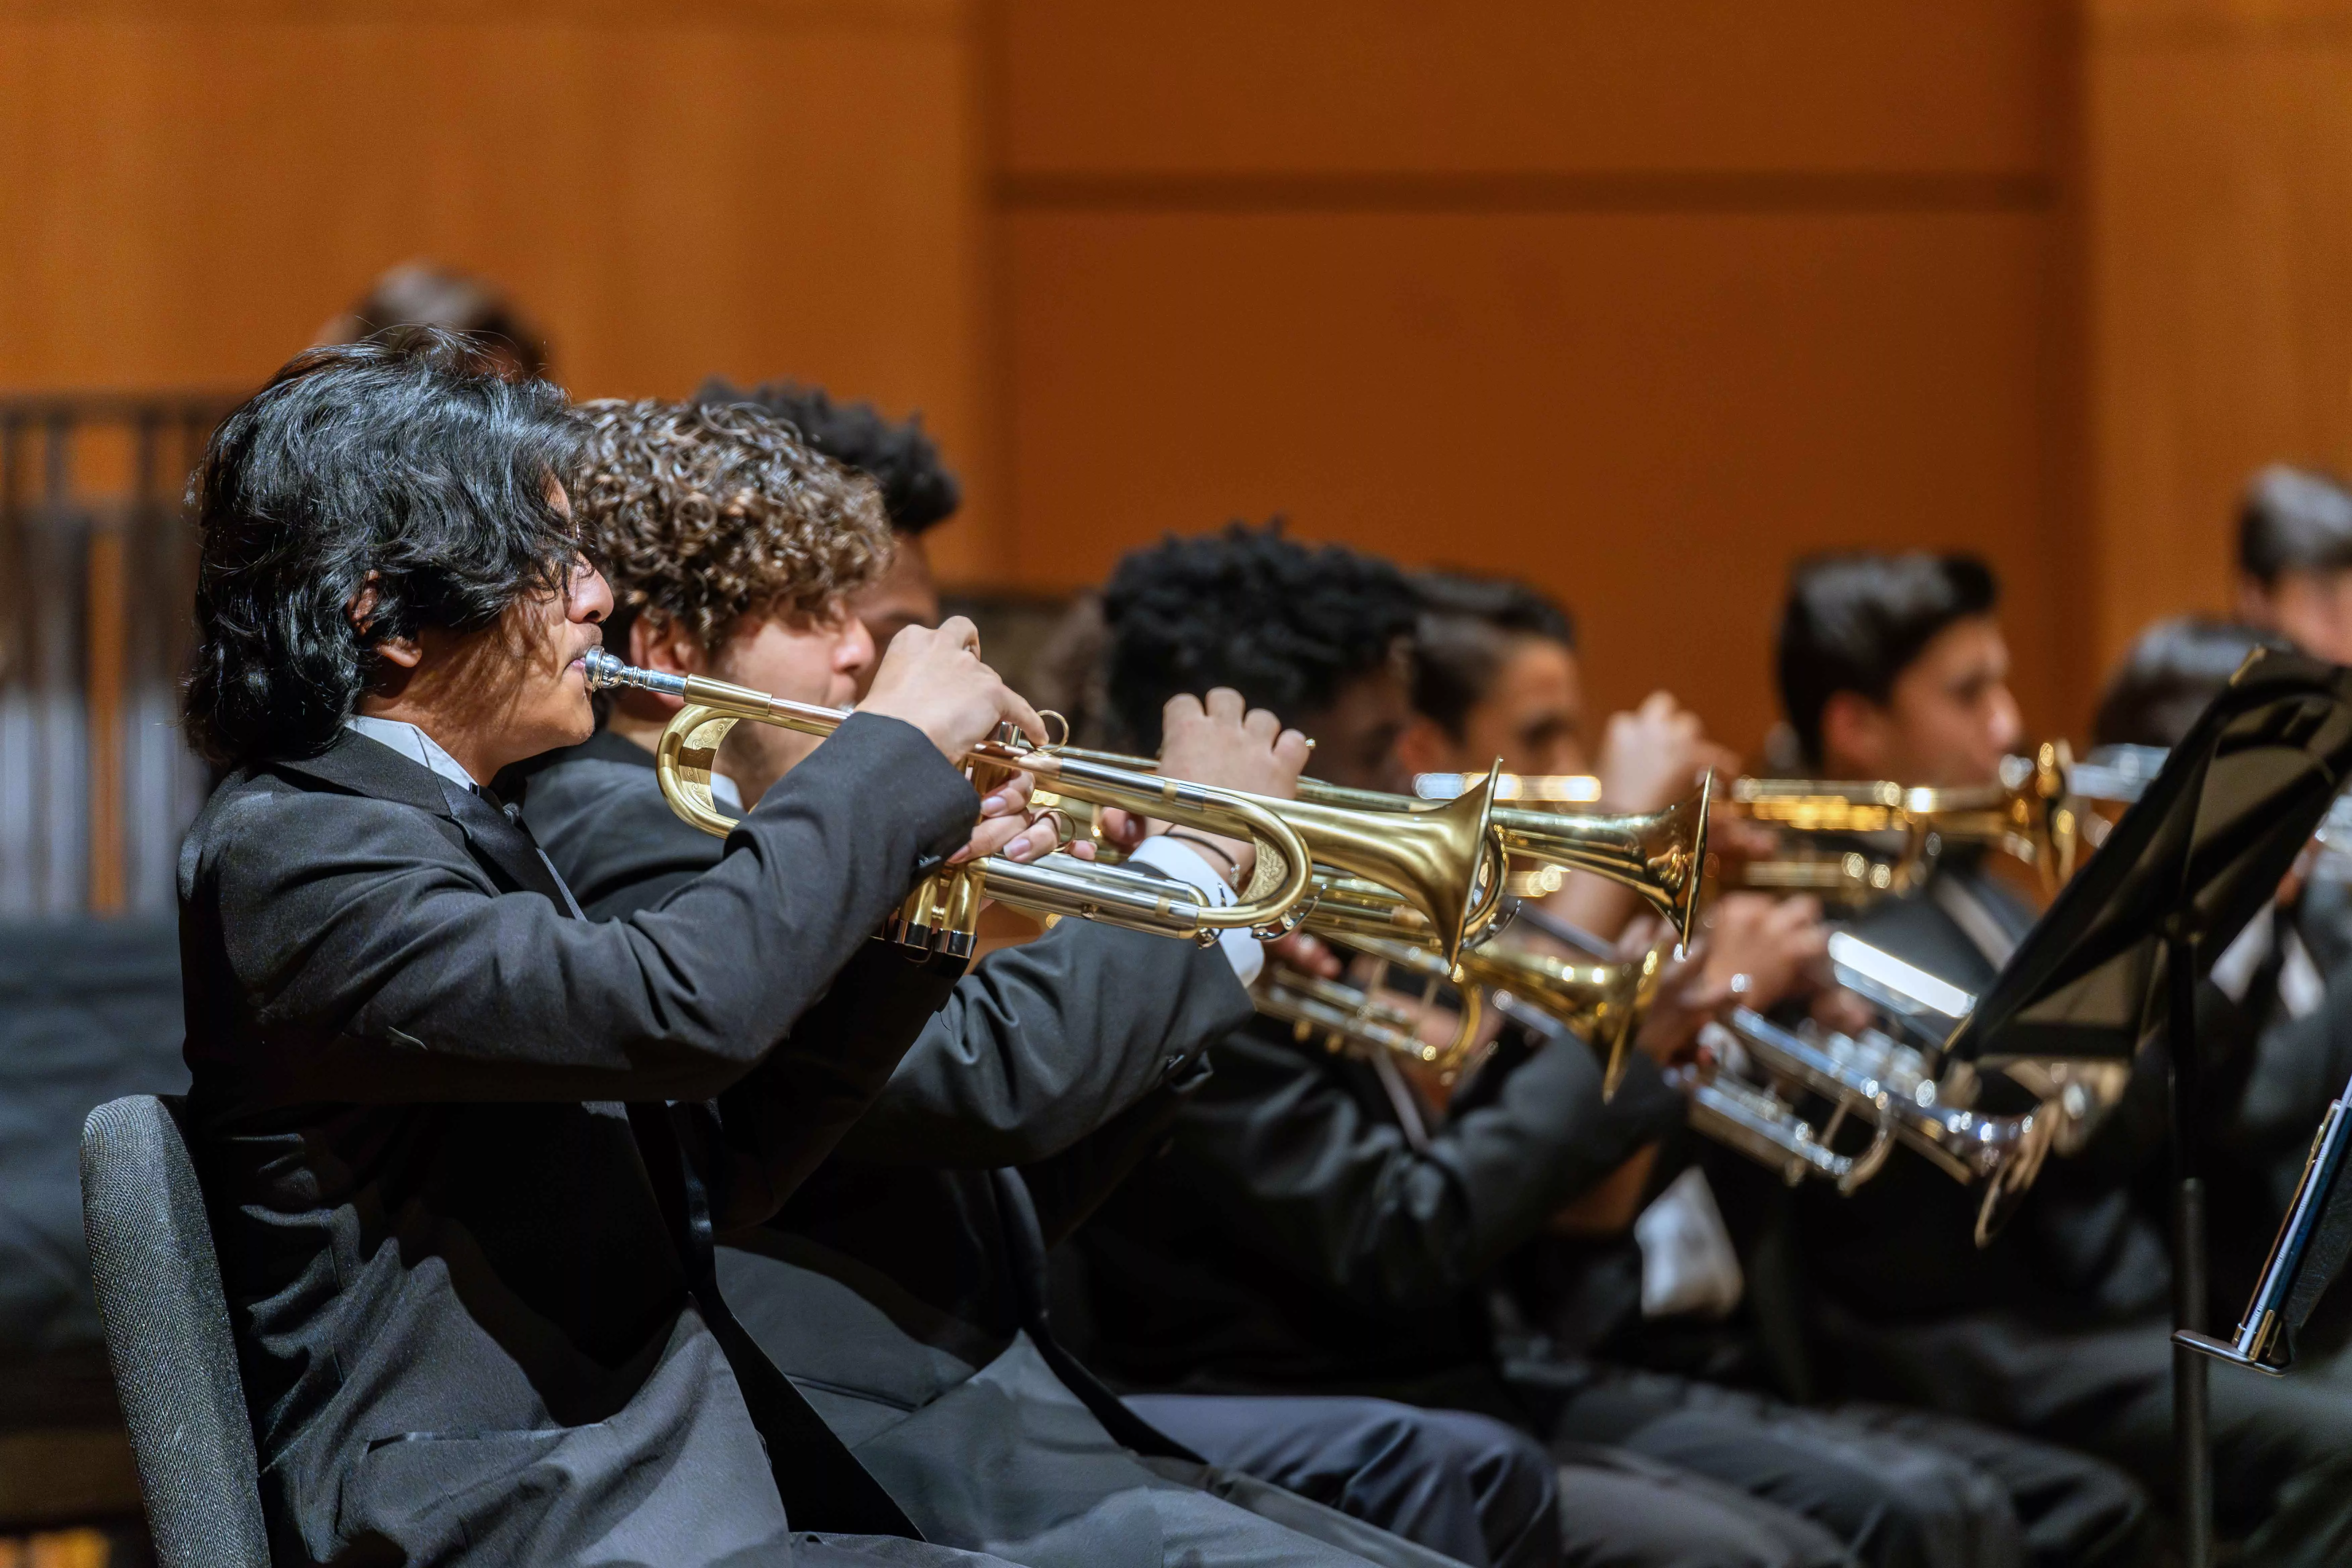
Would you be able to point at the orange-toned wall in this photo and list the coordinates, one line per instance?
(1638, 299)
(187, 190)
(1640, 302)
(2220, 156)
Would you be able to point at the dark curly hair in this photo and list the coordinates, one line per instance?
(1285, 625)
(408, 460)
(918, 490)
(704, 513)
(1465, 633)
(1854, 621)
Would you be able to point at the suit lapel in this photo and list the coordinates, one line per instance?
(361, 767)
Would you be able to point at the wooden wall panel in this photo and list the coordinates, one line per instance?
(1641, 300)
(1648, 414)
(1385, 86)
(766, 188)
(2219, 145)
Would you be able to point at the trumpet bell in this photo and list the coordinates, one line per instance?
(1444, 862)
(1603, 1001)
(1661, 855)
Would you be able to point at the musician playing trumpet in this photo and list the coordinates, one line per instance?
(428, 1098)
(1895, 667)
(905, 1281)
(1317, 1222)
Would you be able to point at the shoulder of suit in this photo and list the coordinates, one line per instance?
(264, 817)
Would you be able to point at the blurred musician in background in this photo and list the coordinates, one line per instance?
(1496, 674)
(903, 1286)
(2294, 561)
(421, 294)
(1317, 1221)
(1893, 666)
(428, 1100)
(2279, 1023)
(1569, 1293)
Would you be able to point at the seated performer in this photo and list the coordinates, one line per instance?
(1317, 1224)
(1571, 1293)
(2287, 981)
(457, 1227)
(2294, 561)
(1893, 667)
(903, 1285)
(1496, 674)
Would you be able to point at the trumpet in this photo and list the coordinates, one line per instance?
(1660, 855)
(2032, 815)
(1605, 1003)
(1442, 870)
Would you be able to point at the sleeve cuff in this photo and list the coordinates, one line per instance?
(1174, 858)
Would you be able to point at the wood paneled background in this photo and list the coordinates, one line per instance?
(1640, 300)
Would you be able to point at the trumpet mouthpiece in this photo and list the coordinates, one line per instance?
(607, 671)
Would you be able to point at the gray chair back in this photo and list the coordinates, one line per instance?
(167, 1336)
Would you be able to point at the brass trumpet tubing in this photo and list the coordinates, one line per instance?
(1441, 859)
(1659, 855)
(945, 907)
(1341, 1016)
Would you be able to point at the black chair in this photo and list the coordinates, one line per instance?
(167, 1335)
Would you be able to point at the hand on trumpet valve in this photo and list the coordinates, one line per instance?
(1007, 827)
(1220, 742)
(933, 679)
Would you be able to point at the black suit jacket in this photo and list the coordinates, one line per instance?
(888, 1278)
(1291, 1235)
(460, 1308)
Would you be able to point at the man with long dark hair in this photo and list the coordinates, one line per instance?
(463, 1148)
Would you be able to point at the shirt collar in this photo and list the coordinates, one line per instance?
(412, 743)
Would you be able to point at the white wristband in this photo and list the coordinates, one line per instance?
(1174, 858)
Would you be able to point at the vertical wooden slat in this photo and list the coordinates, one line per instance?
(105, 662)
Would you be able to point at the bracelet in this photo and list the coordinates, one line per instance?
(1232, 867)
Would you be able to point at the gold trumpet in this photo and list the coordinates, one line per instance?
(1445, 870)
(1603, 1001)
(2029, 816)
(1660, 855)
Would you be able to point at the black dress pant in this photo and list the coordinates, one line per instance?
(2282, 1447)
(1899, 1489)
(1465, 1484)
(1478, 1489)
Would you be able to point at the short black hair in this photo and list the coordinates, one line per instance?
(2293, 520)
(1285, 625)
(919, 492)
(1854, 621)
(1466, 627)
(2175, 669)
(407, 457)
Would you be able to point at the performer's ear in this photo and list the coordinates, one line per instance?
(406, 652)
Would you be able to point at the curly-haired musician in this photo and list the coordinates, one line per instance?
(904, 1285)
(457, 1141)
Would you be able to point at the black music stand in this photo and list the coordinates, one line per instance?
(2179, 877)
